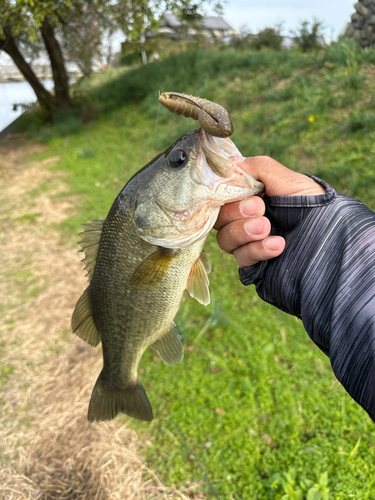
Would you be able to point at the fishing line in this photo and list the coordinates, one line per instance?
(196, 459)
(156, 126)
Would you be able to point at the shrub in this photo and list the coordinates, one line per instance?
(308, 35)
(67, 122)
(47, 134)
(269, 38)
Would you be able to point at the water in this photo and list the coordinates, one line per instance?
(13, 93)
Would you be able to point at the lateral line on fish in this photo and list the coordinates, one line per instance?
(156, 126)
(188, 447)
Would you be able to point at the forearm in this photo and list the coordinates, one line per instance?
(326, 277)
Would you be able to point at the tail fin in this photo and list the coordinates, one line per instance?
(106, 402)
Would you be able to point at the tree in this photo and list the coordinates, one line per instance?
(23, 18)
(77, 21)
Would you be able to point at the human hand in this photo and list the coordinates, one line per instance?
(242, 228)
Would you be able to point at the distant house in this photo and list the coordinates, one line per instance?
(213, 27)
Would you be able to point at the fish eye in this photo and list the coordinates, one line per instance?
(177, 158)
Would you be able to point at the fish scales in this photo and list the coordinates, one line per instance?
(123, 252)
(144, 255)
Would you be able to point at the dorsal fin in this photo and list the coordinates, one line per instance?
(197, 284)
(89, 244)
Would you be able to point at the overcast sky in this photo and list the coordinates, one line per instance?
(258, 14)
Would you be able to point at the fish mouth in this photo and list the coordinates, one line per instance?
(222, 181)
(215, 169)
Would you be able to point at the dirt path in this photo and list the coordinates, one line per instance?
(48, 449)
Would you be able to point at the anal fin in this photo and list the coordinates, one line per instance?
(82, 321)
(169, 347)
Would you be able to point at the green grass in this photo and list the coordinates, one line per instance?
(31, 217)
(255, 399)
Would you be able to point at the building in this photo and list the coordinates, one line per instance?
(212, 27)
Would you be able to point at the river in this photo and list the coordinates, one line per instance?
(13, 93)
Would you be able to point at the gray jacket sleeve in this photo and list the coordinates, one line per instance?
(326, 277)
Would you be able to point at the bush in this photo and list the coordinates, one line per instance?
(47, 134)
(308, 35)
(269, 38)
(67, 122)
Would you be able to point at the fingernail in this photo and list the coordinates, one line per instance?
(254, 227)
(272, 244)
(248, 207)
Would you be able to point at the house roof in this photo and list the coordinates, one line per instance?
(209, 22)
(171, 20)
(215, 23)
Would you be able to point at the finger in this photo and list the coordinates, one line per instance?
(252, 253)
(241, 232)
(251, 207)
(278, 180)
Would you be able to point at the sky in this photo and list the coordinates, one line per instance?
(258, 14)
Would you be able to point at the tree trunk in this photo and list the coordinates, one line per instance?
(60, 76)
(45, 99)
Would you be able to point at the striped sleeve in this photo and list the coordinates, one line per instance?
(326, 277)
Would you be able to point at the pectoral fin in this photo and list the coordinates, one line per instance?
(206, 261)
(197, 284)
(82, 321)
(169, 347)
(152, 271)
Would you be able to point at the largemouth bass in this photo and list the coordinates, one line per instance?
(142, 257)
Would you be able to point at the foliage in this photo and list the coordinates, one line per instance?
(80, 34)
(255, 399)
(80, 24)
(268, 38)
(308, 35)
(305, 489)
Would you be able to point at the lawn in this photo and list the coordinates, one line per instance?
(254, 401)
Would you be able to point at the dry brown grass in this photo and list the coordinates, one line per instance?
(48, 450)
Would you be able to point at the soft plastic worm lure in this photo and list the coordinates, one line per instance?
(212, 117)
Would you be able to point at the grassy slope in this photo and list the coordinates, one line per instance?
(282, 408)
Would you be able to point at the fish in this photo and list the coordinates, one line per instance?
(143, 256)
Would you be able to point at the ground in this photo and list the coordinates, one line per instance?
(48, 449)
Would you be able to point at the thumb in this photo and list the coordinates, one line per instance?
(277, 179)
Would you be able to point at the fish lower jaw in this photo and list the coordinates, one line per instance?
(232, 192)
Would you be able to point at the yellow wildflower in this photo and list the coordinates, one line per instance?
(311, 118)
